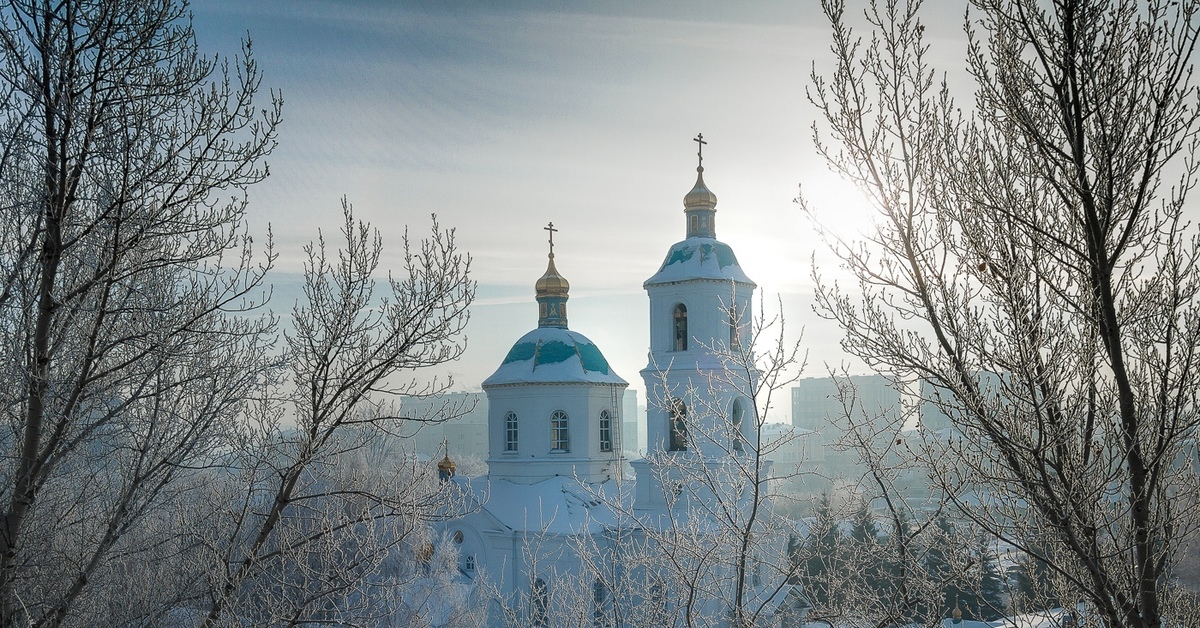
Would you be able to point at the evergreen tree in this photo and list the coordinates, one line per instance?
(980, 593)
(938, 566)
(865, 549)
(1029, 581)
(991, 587)
(821, 553)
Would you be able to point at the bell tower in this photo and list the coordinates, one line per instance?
(700, 312)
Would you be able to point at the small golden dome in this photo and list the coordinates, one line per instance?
(552, 284)
(956, 613)
(447, 464)
(700, 196)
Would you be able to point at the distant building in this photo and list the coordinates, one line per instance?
(429, 427)
(816, 403)
(819, 419)
(934, 398)
(632, 426)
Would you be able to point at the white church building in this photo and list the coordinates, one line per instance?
(557, 530)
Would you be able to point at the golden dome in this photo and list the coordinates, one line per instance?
(446, 464)
(552, 284)
(700, 196)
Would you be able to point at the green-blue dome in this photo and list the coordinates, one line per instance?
(699, 258)
(553, 355)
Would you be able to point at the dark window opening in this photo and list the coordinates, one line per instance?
(539, 613)
(738, 414)
(678, 425)
(681, 328)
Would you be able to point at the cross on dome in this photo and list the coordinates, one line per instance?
(551, 229)
(700, 203)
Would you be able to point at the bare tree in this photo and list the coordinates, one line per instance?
(741, 508)
(1032, 268)
(718, 554)
(888, 550)
(302, 543)
(150, 437)
(120, 267)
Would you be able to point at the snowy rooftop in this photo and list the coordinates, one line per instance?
(559, 505)
(1042, 619)
(699, 258)
(553, 355)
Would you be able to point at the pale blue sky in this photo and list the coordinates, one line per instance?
(502, 117)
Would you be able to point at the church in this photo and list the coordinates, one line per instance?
(558, 531)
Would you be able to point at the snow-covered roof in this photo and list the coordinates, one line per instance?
(1052, 618)
(699, 258)
(436, 602)
(560, 505)
(553, 355)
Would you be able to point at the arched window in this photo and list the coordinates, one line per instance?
(469, 564)
(602, 605)
(735, 419)
(677, 424)
(658, 600)
(560, 439)
(606, 439)
(539, 604)
(681, 330)
(510, 431)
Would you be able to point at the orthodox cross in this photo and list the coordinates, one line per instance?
(551, 229)
(699, 140)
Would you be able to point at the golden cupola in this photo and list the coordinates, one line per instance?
(552, 283)
(446, 465)
(551, 291)
(700, 204)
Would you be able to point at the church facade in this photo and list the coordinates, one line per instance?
(558, 531)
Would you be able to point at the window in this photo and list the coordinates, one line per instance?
(539, 611)
(458, 537)
(510, 431)
(606, 440)
(737, 414)
(681, 331)
(658, 600)
(469, 563)
(602, 605)
(560, 439)
(677, 420)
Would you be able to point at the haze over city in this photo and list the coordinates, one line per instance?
(502, 117)
(1007, 279)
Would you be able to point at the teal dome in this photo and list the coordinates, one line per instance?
(699, 258)
(553, 355)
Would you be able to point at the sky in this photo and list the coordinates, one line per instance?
(502, 117)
